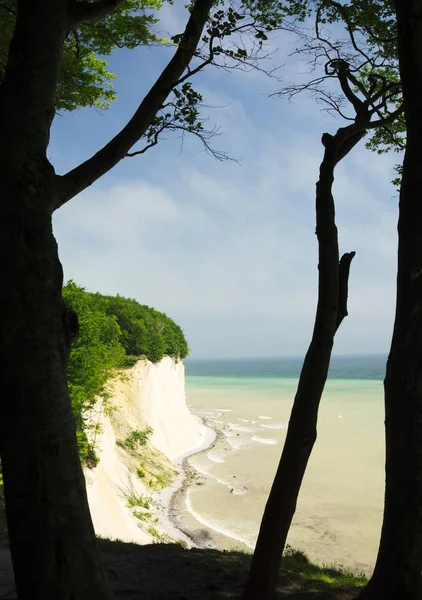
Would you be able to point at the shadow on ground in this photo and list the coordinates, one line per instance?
(168, 571)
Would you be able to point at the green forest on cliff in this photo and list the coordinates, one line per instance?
(113, 332)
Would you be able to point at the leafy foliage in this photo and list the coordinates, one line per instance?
(84, 78)
(369, 47)
(113, 332)
(95, 354)
(145, 331)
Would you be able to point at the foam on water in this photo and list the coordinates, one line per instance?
(240, 428)
(235, 442)
(202, 471)
(215, 524)
(215, 456)
(275, 426)
(239, 491)
(264, 440)
(263, 417)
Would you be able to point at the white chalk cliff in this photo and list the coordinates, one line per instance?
(147, 395)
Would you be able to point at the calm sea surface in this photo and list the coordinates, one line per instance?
(339, 512)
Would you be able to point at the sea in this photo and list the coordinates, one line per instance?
(248, 401)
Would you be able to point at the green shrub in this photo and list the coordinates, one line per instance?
(140, 473)
(137, 437)
(129, 361)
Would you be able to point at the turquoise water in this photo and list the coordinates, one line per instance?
(341, 367)
(340, 507)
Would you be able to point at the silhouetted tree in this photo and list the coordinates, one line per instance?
(51, 57)
(371, 99)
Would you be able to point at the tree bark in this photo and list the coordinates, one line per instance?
(52, 540)
(302, 433)
(51, 535)
(397, 574)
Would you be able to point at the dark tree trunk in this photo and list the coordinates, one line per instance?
(51, 535)
(302, 433)
(52, 540)
(397, 574)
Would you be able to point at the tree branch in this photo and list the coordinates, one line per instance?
(84, 175)
(343, 286)
(341, 68)
(390, 118)
(91, 11)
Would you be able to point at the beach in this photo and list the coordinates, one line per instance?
(225, 486)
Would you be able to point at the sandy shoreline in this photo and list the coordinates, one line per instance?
(170, 500)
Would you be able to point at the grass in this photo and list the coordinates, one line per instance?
(210, 574)
(154, 475)
(295, 561)
(160, 480)
(3, 524)
(142, 501)
(142, 516)
(153, 531)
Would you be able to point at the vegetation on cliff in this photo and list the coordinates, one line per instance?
(113, 332)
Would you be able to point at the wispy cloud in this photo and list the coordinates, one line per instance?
(229, 251)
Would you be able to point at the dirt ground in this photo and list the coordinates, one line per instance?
(170, 572)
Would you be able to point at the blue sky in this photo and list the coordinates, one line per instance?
(228, 250)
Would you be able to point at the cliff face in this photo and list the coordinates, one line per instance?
(161, 404)
(146, 395)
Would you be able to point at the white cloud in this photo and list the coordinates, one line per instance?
(234, 258)
(230, 251)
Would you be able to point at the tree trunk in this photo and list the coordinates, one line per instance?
(301, 434)
(51, 535)
(397, 574)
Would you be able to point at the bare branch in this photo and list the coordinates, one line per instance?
(191, 72)
(203, 136)
(341, 69)
(390, 118)
(350, 29)
(343, 286)
(335, 107)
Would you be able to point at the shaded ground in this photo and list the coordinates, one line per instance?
(168, 571)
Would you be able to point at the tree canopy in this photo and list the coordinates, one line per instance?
(84, 78)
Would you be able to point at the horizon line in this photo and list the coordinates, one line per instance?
(295, 356)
